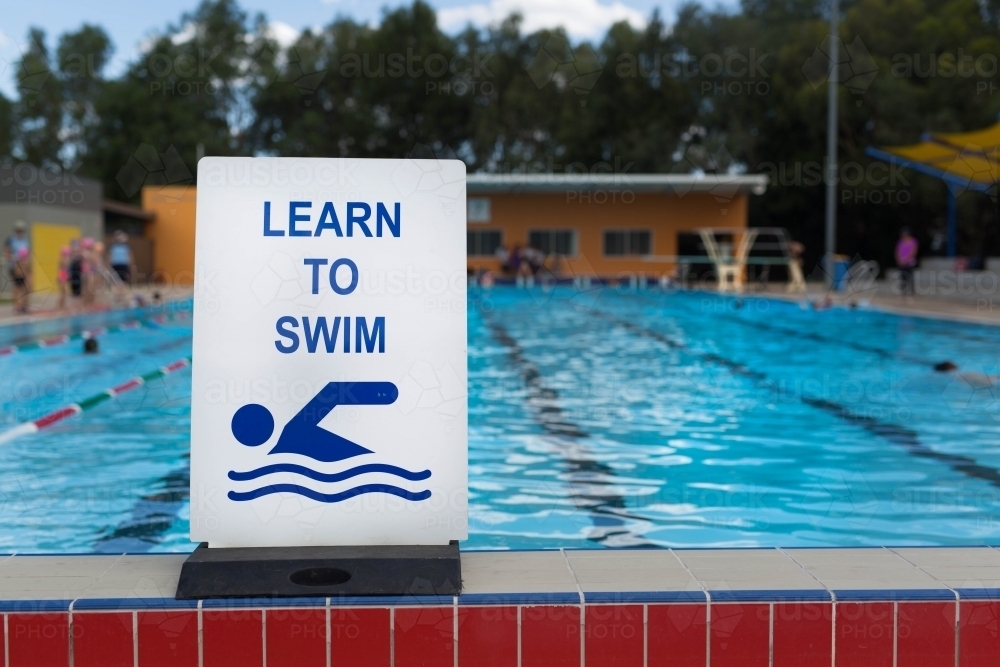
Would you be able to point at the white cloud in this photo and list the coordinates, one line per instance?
(580, 18)
(186, 34)
(284, 34)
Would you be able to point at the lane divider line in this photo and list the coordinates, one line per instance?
(53, 341)
(73, 409)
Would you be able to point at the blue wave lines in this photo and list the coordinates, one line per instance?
(329, 477)
(329, 497)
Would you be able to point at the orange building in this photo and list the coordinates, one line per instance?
(172, 232)
(603, 225)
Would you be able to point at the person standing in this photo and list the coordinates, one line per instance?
(120, 259)
(62, 275)
(20, 272)
(87, 269)
(906, 259)
(75, 272)
(17, 254)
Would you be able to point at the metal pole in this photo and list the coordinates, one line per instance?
(952, 221)
(831, 142)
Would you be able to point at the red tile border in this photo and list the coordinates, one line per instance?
(232, 637)
(979, 634)
(803, 634)
(613, 635)
(38, 640)
(677, 635)
(741, 635)
(296, 637)
(103, 639)
(424, 637)
(168, 639)
(487, 636)
(550, 636)
(791, 634)
(925, 634)
(864, 634)
(359, 637)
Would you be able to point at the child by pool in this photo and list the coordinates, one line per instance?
(62, 275)
(20, 273)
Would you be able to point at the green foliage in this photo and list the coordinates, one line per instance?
(713, 91)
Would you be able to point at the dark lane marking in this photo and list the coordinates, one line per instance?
(152, 515)
(909, 439)
(544, 401)
(809, 335)
(734, 367)
(607, 510)
(819, 338)
(899, 435)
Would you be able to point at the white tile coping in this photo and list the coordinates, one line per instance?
(565, 576)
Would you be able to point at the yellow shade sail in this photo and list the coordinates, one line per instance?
(964, 159)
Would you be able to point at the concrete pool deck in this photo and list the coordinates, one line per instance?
(693, 607)
(975, 308)
(45, 305)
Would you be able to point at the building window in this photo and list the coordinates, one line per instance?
(482, 243)
(627, 242)
(558, 241)
(478, 209)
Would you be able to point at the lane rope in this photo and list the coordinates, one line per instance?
(73, 409)
(53, 341)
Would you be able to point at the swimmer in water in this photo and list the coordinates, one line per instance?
(977, 380)
(825, 303)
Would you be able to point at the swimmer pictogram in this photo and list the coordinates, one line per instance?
(253, 425)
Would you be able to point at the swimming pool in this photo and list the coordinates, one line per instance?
(598, 418)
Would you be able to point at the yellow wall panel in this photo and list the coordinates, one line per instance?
(47, 240)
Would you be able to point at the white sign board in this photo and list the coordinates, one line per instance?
(329, 383)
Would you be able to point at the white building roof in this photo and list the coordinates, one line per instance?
(677, 184)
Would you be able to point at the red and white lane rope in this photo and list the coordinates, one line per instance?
(52, 341)
(34, 426)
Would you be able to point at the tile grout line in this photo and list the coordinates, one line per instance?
(958, 630)
(958, 600)
(72, 656)
(263, 637)
(135, 639)
(6, 640)
(833, 606)
(833, 632)
(895, 632)
(201, 636)
(454, 628)
(583, 610)
(329, 636)
(101, 575)
(518, 635)
(392, 637)
(645, 636)
(907, 560)
(833, 596)
(708, 608)
(770, 635)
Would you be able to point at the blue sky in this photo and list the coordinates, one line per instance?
(129, 23)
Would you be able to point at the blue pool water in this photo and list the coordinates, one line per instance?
(597, 418)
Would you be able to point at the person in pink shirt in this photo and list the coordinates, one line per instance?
(906, 259)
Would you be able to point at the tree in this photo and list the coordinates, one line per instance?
(719, 90)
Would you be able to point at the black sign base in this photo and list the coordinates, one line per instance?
(320, 571)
